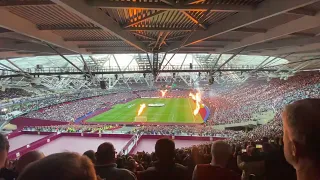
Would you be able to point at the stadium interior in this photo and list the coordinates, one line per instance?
(142, 75)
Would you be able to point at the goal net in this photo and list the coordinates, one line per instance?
(140, 119)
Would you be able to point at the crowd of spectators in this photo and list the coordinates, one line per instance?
(12, 93)
(241, 103)
(228, 104)
(196, 130)
(70, 111)
(257, 154)
(293, 156)
(71, 128)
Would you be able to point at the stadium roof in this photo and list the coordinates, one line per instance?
(280, 28)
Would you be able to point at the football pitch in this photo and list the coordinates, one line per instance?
(175, 110)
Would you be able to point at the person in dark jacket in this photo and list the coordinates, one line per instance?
(106, 168)
(165, 168)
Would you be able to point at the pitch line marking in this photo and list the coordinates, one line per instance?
(172, 118)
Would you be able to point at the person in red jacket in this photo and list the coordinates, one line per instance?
(221, 153)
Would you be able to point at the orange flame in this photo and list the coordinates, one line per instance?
(142, 106)
(197, 98)
(163, 92)
(192, 96)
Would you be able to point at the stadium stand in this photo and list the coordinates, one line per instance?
(159, 89)
(260, 147)
(13, 93)
(70, 111)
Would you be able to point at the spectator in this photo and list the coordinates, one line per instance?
(301, 137)
(251, 164)
(28, 158)
(62, 166)
(221, 153)
(165, 168)
(91, 155)
(106, 167)
(4, 148)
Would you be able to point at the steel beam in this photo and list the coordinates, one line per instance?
(267, 69)
(144, 36)
(298, 41)
(301, 24)
(185, 57)
(115, 59)
(95, 62)
(4, 30)
(115, 52)
(295, 62)
(29, 47)
(129, 64)
(149, 61)
(143, 19)
(215, 64)
(265, 10)
(169, 2)
(163, 29)
(162, 41)
(111, 49)
(8, 67)
(303, 11)
(228, 60)
(294, 49)
(16, 66)
(100, 19)
(194, 20)
(25, 27)
(161, 6)
(189, 2)
(164, 57)
(88, 40)
(25, 3)
(66, 27)
(11, 54)
(63, 57)
(158, 39)
(86, 65)
(168, 61)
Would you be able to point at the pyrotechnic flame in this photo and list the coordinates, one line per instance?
(142, 106)
(163, 92)
(192, 96)
(197, 98)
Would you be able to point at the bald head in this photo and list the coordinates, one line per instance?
(301, 123)
(221, 152)
(27, 159)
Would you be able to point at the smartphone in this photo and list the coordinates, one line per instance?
(259, 146)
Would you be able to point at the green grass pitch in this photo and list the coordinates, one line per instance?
(175, 110)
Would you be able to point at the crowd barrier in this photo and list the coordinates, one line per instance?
(24, 121)
(127, 149)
